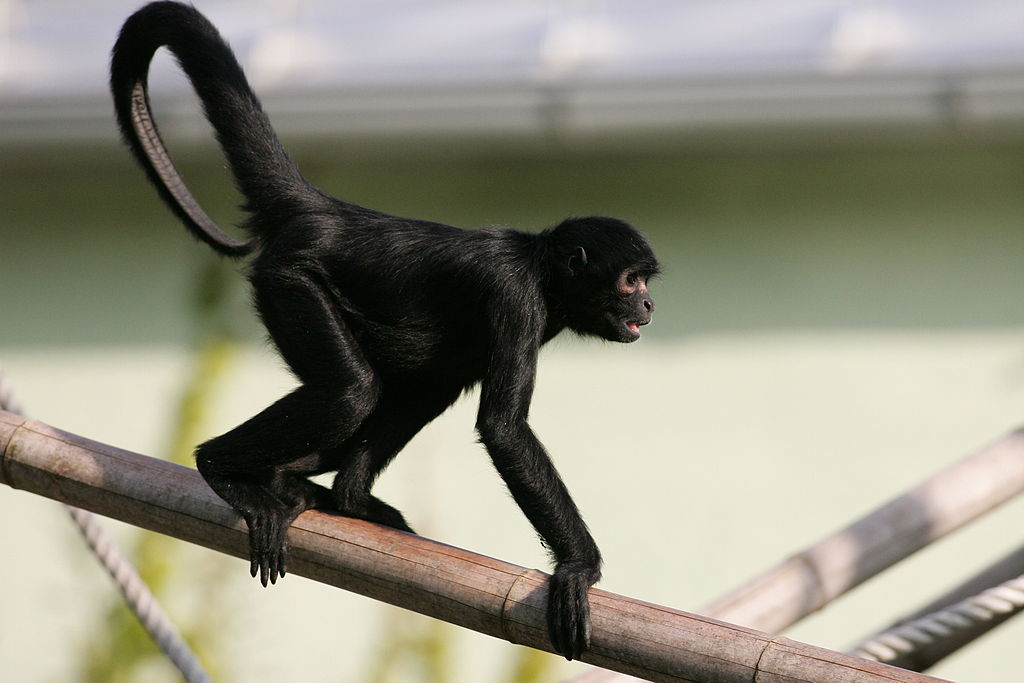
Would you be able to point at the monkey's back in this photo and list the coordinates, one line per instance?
(417, 295)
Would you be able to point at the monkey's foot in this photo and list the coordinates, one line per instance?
(569, 609)
(380, 512)
(371, 508)
(268, 544)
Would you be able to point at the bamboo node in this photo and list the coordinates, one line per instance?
(506, 632)
(6, 475)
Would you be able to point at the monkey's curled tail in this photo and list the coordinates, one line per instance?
(264, 173)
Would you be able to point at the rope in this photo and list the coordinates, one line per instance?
(8, 401)
(1005, 599)
(136, 594)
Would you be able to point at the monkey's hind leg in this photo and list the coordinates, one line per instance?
(401, 413)
(260, 468)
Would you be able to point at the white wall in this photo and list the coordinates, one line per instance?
(696, 463)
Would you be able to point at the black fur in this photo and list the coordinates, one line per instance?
(384, 321)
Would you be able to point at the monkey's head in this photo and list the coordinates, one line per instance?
(602, 267)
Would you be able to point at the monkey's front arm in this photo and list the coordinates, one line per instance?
(536, 487)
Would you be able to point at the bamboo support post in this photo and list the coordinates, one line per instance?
(476, 592)
(941, 504)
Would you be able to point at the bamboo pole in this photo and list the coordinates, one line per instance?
(473, 591)
(941, 504)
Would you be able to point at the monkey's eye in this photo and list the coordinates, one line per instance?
(631, 279)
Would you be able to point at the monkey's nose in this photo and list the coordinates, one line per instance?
(649, 304)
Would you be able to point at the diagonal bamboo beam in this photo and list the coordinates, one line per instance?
(473, 591)
(811, 579)
(939, 505)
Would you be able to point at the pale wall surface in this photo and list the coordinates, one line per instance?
(831, 328)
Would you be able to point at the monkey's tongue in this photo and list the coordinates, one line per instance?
(633, 327)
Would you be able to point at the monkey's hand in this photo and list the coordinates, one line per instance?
(569, 608)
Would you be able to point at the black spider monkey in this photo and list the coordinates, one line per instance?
(385, 321)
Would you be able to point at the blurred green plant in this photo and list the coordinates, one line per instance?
(121, 651)
(416, 648)
(534, 666)
(411, 647)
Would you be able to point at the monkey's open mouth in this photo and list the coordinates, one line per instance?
(635, 325)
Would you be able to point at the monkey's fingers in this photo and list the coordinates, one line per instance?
(563, 627)
(569, 614)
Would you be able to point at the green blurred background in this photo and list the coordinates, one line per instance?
(841, 315)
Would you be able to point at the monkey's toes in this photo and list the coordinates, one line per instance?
(268, 550)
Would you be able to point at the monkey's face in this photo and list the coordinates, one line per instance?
(629, 309)
(612, 308)
(603, 265)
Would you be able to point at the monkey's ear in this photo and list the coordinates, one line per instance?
(578, 260)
